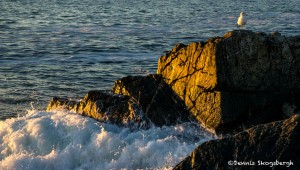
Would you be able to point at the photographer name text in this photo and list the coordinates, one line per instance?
(260, 163)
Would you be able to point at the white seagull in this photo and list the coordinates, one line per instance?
(242, 19)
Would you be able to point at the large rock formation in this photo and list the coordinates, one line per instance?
(236, 81)
(227, 83)
(257, 148)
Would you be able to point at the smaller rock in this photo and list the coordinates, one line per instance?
(105, 107)
(58, 103)
(136, 100)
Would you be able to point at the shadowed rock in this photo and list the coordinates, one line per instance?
(156, 98)
(267, 143)
(236, 81)
(137, 100)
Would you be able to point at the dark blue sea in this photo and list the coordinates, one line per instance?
(68, 47)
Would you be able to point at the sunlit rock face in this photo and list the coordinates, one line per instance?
(260, 147)
(236, 81)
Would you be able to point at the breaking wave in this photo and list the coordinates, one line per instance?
(63, 140)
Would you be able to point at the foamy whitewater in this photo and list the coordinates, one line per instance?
(62, 140)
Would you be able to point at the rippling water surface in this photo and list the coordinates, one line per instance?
(66, 48)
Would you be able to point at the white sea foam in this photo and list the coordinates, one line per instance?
(61, 140)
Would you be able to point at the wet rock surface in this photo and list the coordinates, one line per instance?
(105, 107)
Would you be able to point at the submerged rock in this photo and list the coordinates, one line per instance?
(236, 81)
(259, 147)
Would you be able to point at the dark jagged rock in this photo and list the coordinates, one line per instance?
(236, 81)
(58, 103)
(267, 143)
(156, 98)
(141, 100)
(105, 107)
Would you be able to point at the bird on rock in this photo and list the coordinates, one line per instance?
(242, 19)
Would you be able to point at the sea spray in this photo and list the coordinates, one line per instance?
(62, 140)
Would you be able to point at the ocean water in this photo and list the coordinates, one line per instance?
(68, 47)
